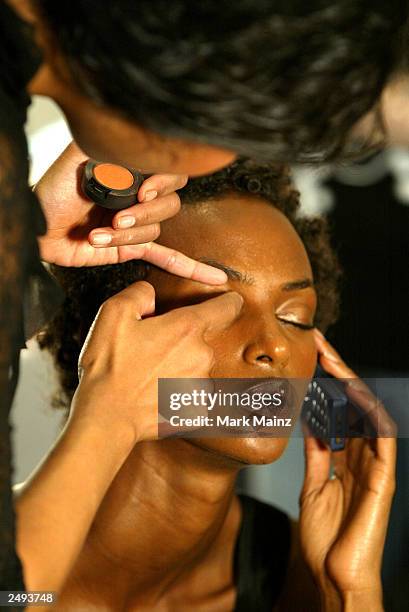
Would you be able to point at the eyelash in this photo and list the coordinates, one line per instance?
(303, 326)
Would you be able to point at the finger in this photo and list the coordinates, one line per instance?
(145, 214)
(330, 358)
(373, 409)
(339, 460)
(216, 314)
(355, 388)
(386, 449)
(107, 237)
(174, 262)
(137, 301)
(333, 363)
(160, 185)
(317, 465)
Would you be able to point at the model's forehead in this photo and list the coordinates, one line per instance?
(245, 232)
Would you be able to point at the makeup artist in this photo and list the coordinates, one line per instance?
(136, 92)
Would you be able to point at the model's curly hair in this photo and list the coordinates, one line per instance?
(87, 288)
(273, 80)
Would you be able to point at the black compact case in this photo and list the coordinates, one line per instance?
(103, 195)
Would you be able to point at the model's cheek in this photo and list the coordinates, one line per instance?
(228, 348)
(304, 357)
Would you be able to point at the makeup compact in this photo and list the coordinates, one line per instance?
(111, 186)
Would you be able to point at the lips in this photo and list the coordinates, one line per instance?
(291, 392)
(272, 386)
(237, 406)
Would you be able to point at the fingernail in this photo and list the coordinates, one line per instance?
(101, 239)
(150, 195)
(126, 221)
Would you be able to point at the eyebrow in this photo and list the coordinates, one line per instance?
(235, 275)
(232, 274)
(303, 283)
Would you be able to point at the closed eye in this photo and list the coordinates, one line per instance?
(304, 326)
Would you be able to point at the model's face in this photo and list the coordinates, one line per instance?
(272, 273)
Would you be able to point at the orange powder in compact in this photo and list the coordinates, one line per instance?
(113, 176)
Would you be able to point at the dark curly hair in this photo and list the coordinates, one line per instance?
(87, 288)
(273, 80)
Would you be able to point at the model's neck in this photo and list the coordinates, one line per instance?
(171, 505)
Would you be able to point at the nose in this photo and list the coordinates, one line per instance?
(268, 352)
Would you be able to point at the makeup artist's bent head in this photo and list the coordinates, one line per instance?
(244, 220)
(183, 87)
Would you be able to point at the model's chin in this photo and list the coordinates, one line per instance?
(245, 451)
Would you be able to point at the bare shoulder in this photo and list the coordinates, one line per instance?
(299, 591)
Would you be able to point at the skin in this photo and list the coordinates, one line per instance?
(72, 222)
(393, 108)
(348, 514)
(62, 492)
(193, 530)
(72, 240)
(102, 133)
(186, 551)
(262, 343)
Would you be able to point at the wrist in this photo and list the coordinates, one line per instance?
(370, 599)
(330, 598)
(114, 437)
(95, 410)
(335, 599)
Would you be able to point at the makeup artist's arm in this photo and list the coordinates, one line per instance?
(114, 407)
(77, 229)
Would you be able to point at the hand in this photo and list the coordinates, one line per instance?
(119, 378)
(75, 225)
(343, 519)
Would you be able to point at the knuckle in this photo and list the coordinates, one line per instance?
(146, 288)
(161, 183)
(190, 322)
(143, 216)
(208, 355)
(124, 238)
(171, 261)
(174, 203)
(118, 303)
(86, 361)
(155, 231)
